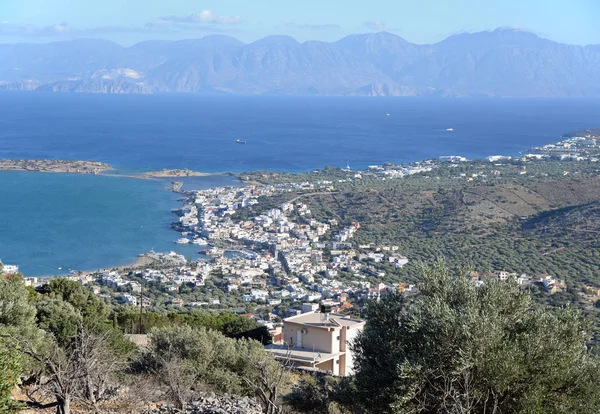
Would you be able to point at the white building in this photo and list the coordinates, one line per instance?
(10, 269)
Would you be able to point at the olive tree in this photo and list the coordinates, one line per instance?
(10, 369)
(465, 348)
(17, 320)
(188, 360)
(76, 353)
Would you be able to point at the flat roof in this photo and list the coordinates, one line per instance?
(320, 320)
(300, 354)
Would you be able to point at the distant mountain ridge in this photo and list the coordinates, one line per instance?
(504, 62)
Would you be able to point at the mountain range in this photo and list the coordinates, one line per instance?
(504, 62)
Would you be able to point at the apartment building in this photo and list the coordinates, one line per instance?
(320, 341)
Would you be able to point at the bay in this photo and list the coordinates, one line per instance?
(85, 222)
(49, 221)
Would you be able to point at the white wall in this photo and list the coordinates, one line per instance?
(350, 334)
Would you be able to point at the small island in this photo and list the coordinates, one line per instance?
(178, 173)
(56, 166)
(174, 173)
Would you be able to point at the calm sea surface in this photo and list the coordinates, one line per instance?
(49, 221)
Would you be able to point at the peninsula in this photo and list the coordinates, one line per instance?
(56, 166)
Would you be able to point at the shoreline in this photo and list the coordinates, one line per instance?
(143, 260)
(176, 186)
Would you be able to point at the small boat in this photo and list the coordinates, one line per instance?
(449, 129)
(200, 241)
(183, 240)
(239, 141)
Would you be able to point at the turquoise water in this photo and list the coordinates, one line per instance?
(85, 222)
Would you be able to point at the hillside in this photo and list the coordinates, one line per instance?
(503, 62)
(542, 222)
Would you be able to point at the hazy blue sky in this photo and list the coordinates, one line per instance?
(419, 21)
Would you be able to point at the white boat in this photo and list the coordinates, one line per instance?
(450, 129)
(200, 241)
(215, 251)
(183, 240)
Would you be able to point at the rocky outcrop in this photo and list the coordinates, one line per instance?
(216, 404)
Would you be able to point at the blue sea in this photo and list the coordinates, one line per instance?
(76, 222)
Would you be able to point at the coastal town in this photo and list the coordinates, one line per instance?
(283, 258)
(281, 254)
(299, 207)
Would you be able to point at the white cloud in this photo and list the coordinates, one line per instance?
(375, 25)
(205, 21)
(29, 30)
(203, 17)
(60, 28)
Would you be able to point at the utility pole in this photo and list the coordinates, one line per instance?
(141, 305)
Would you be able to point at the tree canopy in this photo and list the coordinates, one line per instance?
(187, 360)
(486, 348)
(17, 319)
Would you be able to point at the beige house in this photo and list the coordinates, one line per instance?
(319, 341)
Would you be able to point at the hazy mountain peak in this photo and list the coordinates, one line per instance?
(222, 39)
(373, 38)
(513, 29)
(276, 40)
(516, 33)
(498, 37)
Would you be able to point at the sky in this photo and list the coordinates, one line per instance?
(418, 21)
